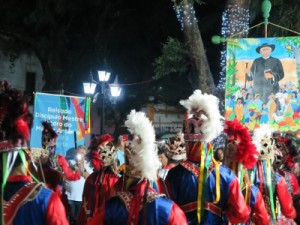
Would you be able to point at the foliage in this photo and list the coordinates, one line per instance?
(231, 87)
(173, 59)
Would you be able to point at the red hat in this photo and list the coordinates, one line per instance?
(246, 152)
(48, 135)
(101, 151)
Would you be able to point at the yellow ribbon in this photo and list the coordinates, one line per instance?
(247, 186)
(234, 169)
(202, 178)
(218, 192)
(200, 181)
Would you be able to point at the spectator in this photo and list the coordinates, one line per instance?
(74, 189)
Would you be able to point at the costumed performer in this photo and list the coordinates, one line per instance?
(99, 186)
(271, 184)
(55, 168)
(139, 202)
(241, 155)
(175, 153)
(206, 191)
(25, 202)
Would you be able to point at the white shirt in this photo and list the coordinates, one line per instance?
(74, 189)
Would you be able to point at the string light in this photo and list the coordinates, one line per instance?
(185, 14)
(234, 20)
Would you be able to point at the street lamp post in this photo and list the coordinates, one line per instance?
(103, 78)
(90, 87)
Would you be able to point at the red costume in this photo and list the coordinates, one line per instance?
(241, 154)
(25, 202)
(46, 207)
(139, 203)
(55, 168)
(99, 186)
(271, 184)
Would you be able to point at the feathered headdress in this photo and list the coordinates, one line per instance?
(106, 138)
(15, 124)
(210, 123)
(264, 142)
(15, 119)
(141, 158)
(246, 152)
(176, 147)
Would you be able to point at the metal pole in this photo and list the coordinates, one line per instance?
(102, 110)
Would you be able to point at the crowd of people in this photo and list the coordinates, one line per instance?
(253, 179)
(281, 110)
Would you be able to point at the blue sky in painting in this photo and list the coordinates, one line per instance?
(250, 54)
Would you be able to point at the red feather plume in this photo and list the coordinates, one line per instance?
(106, 138)
(246, 153)
(22, 128)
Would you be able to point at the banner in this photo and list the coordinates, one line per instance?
(262, 82)
(67, 116)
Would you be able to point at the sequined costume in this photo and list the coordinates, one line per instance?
(138, 202)
(98, 187)
(158, 210)
(182, 185)
(44, 207)
(208, 193)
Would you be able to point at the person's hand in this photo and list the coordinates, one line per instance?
(268, 75)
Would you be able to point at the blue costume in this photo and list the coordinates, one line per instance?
(136, 202)
(182, 185)
(44, 206)
(258, 209)
(118, 209)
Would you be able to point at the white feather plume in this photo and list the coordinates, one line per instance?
(213, 125)
(145, 158)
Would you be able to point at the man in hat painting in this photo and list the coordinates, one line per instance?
(25, 202)
(266, 71)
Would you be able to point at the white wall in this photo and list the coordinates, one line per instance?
(15, 72)
(165, 119)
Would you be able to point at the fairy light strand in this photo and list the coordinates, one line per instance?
(234, 19)
(185, 14)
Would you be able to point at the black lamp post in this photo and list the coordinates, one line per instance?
(90, 87)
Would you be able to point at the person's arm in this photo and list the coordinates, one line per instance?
(68, 172)
(251, 73)
(237, 211)
(285, 199)
(177, 216)
(260, 214)
(294, 184)
(277, 72)
(55, 212)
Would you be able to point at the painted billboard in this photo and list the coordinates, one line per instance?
(262, 82)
